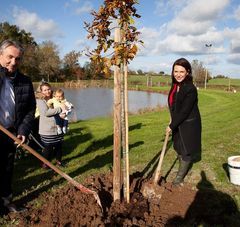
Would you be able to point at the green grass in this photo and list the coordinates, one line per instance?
(136, 79)
(224, 81)
(88, 148)
(167, 79)
(163, 83)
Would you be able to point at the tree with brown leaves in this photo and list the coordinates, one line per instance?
(116, 50)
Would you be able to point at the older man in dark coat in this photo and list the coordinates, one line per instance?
(17, 108)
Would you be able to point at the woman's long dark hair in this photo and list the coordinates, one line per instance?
(184, 63)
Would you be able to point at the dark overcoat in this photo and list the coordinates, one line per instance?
(25, 103)
(186, 122)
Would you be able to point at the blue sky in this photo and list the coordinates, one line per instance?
(169, 28)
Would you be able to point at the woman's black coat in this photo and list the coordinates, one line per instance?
(186, 122)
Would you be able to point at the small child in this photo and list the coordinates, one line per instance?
(61, 120)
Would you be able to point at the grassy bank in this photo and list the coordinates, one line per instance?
(148, 83)
(88, 148)
(224, 81)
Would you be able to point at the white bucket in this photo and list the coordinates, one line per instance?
(234, 169)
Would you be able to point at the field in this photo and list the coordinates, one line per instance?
(165, 81)
(88, 152)
(225, 81)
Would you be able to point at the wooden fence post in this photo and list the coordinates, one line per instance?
(126, 182)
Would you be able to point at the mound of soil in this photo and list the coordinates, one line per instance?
(177, 206)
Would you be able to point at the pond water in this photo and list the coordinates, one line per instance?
(94, 102)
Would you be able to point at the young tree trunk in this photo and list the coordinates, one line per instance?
(117, 129)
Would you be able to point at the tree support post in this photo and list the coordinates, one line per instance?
(117, 128)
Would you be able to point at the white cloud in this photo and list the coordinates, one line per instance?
(84, 44)
(42, 29)
(197, 17)
(163, 7)
(184, 27)
(158, 42)
(187, 33)
(237, 13)
(234, 59)
(234, 36)
(203, 10)
(149, 36)
(149, 33)
(150, 65)
(80, 42)
(86, 8)
(213, 60)
(235, 46)
(232, 33)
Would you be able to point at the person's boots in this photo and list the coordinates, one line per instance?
(182, 171)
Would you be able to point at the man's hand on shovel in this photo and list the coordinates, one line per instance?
(22, 138)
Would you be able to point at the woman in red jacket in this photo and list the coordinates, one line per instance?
(185, 123)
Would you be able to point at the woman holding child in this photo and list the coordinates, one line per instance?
(50, 138)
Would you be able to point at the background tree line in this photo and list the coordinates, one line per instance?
(42, 61)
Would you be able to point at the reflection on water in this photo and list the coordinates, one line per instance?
(93, 102)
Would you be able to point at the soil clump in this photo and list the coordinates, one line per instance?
(178, 206)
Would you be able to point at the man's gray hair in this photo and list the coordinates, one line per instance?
(6, 43)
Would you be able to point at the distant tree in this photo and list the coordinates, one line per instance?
(8, 31)
(152, 73)
(71, 66)
(140, 72)
(88, 70)
(161, 73)
(93, 71)
(132, 72)
(49, 61)
(220, 77)
(29, 65)
(199, 73)
(79, 73)
(71, 59)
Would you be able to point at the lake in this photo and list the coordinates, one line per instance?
(95, 102)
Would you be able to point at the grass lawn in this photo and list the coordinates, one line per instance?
(144, 78)
(225, 81)
(88, 148)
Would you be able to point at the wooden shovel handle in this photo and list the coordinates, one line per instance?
(158, 170)
(64, 175)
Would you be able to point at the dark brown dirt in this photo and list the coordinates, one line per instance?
(178, 206)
